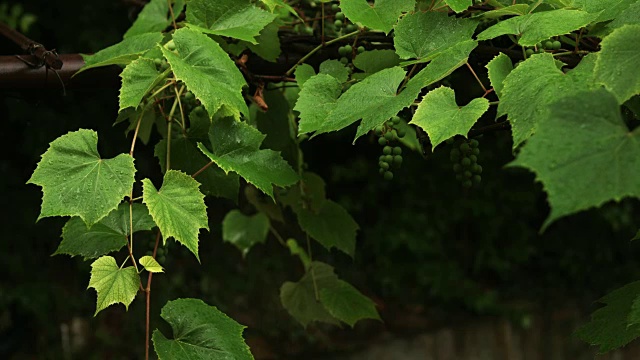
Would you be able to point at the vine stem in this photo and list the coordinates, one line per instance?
(148, 301)
(277, 235)
(202, 169)
(304, 58)
(477, 78)
(581, 52)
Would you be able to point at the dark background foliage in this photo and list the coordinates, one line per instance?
(424, 242)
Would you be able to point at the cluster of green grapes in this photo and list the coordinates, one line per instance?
(464, 155)
(544, 46)
(346, 53)
(340, 22)
(391, 156)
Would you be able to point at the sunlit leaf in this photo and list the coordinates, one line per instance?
(77, 182)
(178, 208)
(112, 283)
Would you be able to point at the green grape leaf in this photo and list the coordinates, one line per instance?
(375, 60)
(331, 226)
(107, 235)
(381, 16)
(536, 27)
(245, 231)
(423, 35)
(123, 52)
(499, 67)
(276, 123)
(440, 116)
(583, 153)
(233, 18)
(617, 63)
(152, 18)
(299, 298)
(112, 283)
(178, 208)
(374, 100)
(138, 78)
(207, 71)
(200, 332)
(186, 157)
(630, 16)
(268, 43)
(150, 264)
(236, 147)
(316, 101)
(442, 65)
(336, 69)
(526, 93)
(609, 327)
(605, 9)
(303, 73)
(636, 237)
(314, 193)
(75, 181)
(338, 300)
(147, 117)
(458, 5)
(346, 303)
(517, 9)
(263, 203)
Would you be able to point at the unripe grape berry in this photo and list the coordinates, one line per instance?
(344, 60)
(312, 4)
(477, 169)
(157, 61)
(337, 23)
(396, 120)
(468, 174)
(388, 175)
(464, 147)
(361, 49)
(401, 133)
(548, 45)
(473, 158)
(556, 45)
(350, 28)
(475, 151)
(378, 131)
(308, 30)
(339, 16)
(474, 143)
(388, 135)
(381, 158)
(477, 179)
(397, 150)
(387, 150)
(348, 49)
(384, 165)
(388, 158)
(467, 184)
(465, 161)
(188, 96)
(381, 170)
(382, 140)
(342, 51)
(529, 52)
(455, 152)
(335, 7)
(171, 46)
(397, 159)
